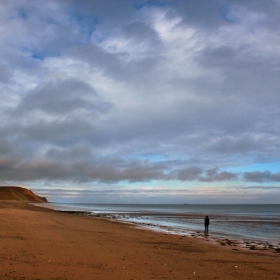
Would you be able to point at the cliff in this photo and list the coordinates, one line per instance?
(19, 194)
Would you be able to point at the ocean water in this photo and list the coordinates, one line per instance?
(259, 222)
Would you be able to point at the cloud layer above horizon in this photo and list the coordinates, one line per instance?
(158, 97)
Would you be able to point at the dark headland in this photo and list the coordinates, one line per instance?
(19, 194)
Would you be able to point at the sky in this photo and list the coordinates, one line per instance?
(141, 101)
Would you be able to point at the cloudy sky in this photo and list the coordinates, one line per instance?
(164, 101)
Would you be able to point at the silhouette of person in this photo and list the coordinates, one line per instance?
(206, 223)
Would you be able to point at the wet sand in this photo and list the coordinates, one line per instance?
(39, 243)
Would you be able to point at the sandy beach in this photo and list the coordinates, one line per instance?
(38, 243)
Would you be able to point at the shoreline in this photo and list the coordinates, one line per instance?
(227, 240)
(40, 243)
(238, 243)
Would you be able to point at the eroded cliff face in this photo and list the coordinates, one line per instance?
(19, 194)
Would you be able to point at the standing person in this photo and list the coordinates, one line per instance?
(206, 223)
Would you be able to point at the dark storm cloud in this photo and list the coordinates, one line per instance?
(259, 176)
(63, 112)
(213, 175)
(204, 175)
(191, 173)
(63, 98)
(76, 171)
(100, 170)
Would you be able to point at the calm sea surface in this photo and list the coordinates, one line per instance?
(242, 222)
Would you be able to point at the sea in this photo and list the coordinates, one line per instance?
(244, 222)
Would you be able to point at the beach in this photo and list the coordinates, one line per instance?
(39, 243)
